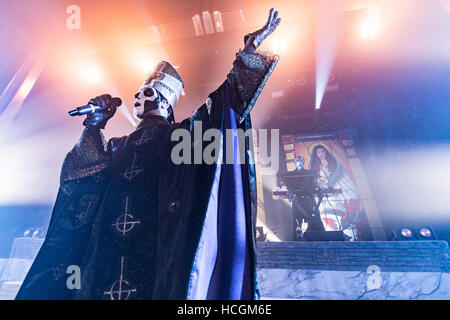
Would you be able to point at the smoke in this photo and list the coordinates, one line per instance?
(412, 184)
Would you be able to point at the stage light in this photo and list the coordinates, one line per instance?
(328, 33)
(426, 233)
(91, 74)
(372, 24)
(12, 100)
(207, 22)
(370, 30)
(414, 234)
(279, 44)
(218, 21)
(197, 25)
(406, 233)
(320, 91)
(143, 61)
(35, 233)
(26, 87)
(147, 65)
(88, 70)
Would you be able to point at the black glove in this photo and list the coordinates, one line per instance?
(253, 40)
(100, 117)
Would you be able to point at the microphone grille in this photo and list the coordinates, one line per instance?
(117, 101)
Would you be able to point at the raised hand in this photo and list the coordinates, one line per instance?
(253, 40)
(100, 117)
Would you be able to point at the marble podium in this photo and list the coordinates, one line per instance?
(402, 270)
(313, 270)
(16, 267)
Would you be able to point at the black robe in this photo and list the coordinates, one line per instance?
(131, 219)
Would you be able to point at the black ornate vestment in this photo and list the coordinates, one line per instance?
(130, 218)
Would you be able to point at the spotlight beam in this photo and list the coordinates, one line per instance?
(327, 43)
(15, 104)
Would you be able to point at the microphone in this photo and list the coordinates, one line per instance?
(90, 108)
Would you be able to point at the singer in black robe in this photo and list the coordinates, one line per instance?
(140, 227)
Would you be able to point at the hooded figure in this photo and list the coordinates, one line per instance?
(130, 223)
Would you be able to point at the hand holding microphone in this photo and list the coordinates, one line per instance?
(99, 110)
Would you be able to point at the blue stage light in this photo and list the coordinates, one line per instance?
(406, 233)
(426, 233)
(414, 234)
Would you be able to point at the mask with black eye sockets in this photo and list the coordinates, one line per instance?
(147, 99)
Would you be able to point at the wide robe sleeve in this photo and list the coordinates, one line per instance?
(84, 175)
(224, 196)
(183, 201)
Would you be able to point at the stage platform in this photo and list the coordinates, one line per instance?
(406, 270)
(14, 269)
(313, 270)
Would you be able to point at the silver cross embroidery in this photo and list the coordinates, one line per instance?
(146, 137)
(120, 289)
(125, 222)
(133, 171)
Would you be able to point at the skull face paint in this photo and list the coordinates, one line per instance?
(149, 99)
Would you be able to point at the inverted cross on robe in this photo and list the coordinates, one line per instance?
(120, 289)
(133, 171)
(123, 224)
(146, 137)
